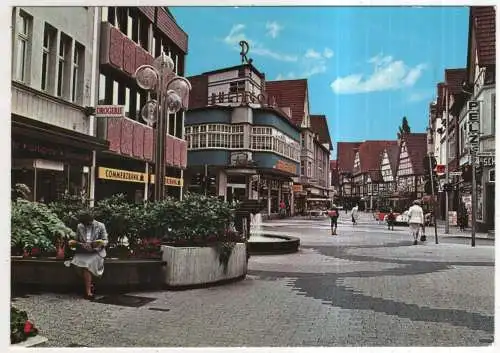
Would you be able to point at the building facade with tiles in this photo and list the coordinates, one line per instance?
(475, 83)
(53, 82)
(131, 37)
(66, 62)
(241, 144)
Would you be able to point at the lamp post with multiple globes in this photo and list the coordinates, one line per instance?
(172, 96)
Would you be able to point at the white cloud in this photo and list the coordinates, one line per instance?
(312, 63)
(289, 76)
(312, 54)
(420, 96)
(327, 53)
(260, 50)
(388, 74)
(236, 35)
(273, 29)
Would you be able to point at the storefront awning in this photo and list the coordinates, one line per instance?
(34, 129)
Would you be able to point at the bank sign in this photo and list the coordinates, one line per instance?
(474, 126)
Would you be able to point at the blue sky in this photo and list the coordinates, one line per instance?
(367, 67)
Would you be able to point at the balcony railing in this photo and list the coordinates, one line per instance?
(41, 106)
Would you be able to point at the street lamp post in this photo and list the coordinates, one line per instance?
(172, 95)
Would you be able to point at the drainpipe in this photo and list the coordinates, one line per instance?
(92, 102)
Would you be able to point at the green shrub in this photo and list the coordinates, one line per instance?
(34, 225)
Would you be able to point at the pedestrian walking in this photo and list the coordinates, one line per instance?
(463, 217)
(282, 209)
(416, 220)
(354, 215)
(391, 218)
(333, 213)
(423, 237)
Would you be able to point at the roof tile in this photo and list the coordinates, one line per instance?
(319, 125)
(416, 144)
(345, 156)
(290, 93)
(483, 18)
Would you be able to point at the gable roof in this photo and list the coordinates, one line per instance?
(370, 153)
(393, 154)
(290, 93)
(482, 21)
(416, 144)
(454, 79)
(345, 156)
(319, 125)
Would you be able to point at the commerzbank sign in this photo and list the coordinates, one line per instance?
(134, 177)
(122, 175)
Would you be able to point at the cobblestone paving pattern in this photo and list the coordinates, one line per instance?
(366, 287)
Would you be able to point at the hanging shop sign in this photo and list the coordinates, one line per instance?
(169, 181)
(297, 188)
(122, 175)
(486, 159)
(440, 169)
(474, 125)
(286, 167)
(110, 111)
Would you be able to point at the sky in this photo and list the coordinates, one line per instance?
(367, 67)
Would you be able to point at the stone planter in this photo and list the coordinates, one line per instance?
(52, 275)
(196, 266)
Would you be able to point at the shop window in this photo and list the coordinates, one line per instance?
(48, 54)
(23, 46)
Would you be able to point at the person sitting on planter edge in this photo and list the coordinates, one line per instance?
(90, 244)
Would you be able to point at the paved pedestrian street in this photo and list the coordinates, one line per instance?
(366, 287)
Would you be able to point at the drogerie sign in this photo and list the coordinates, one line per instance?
(110, 111)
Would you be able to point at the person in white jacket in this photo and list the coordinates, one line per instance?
(415, 219)
(354, 215)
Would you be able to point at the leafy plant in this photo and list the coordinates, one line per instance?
(68, 208)
(34, 225)
(20, 327)
(120, 217)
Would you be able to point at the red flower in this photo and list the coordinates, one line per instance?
(28, 327)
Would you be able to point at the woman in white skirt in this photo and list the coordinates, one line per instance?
(90, 244)
(416, 220)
